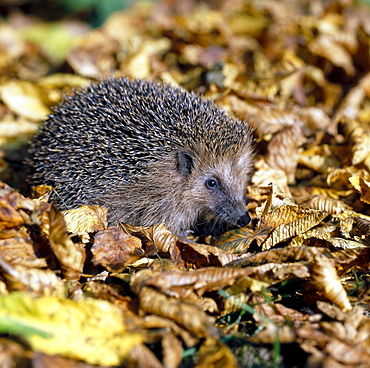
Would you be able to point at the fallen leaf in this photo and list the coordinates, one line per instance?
(91, 330)
(25, 99)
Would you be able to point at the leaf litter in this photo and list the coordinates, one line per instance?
(291, 289)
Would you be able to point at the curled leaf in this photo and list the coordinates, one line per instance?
(115, 249)
(327, 281)
(71, 256)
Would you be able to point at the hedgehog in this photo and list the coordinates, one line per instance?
(148, 152)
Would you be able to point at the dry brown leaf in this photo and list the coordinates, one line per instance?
(181, 283)
(141, 356)
(363, 186)
(241, 287)
(272, 333)
(36, 213)
(161, 323)
(328, 205)
(275, 267)
(351, 104)
(38, 282)
(157, 236)
(313, 336)
(287, 254)
(276, 313)
(330, 92)
(269, 273)
(359, 135)
(209, 305)
(12, 50)
(349, 355)
(350, 107)
(268, 123)
(322, 232)
(11, 352)
(319, 158)
(356, 258)
(187, 315)
(284, 150)
(327, 47)
(264, 89)
(328, 283)
(184, 253)
(363, 226)
(337, 349)
(115, 249)
(281, 213)
(236, 241)
(332, 193)
(345, 243)
(71, 256)
(266, 174)
(19, 250)
(286, 272)
(94, 55)
(98, 290)
(338, 178)
(276, 198)
(41, 192)
(287, 231)
(332, 311)
(292, 86)
(201, 255)
(347, 335)
(9, 216)
(315, 119)
(172, 350)
(244, 23)
(85, 220)
(53, 361)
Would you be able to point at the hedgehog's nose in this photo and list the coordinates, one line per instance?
(244, 220)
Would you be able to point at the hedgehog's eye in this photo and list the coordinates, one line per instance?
(212, 183)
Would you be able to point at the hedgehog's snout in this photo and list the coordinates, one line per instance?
(232, 213)
(216, 226)
(244, 220)
(236, 220)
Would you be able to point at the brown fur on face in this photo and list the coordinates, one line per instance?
(180, 200)
(148, 152)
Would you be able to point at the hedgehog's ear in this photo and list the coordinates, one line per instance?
(185, 162)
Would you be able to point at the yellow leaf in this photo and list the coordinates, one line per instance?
(363, 186)
(15, 131)
(319, 158)
(213, 353)
(24, 99)
(90, 330)
(55, 38)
